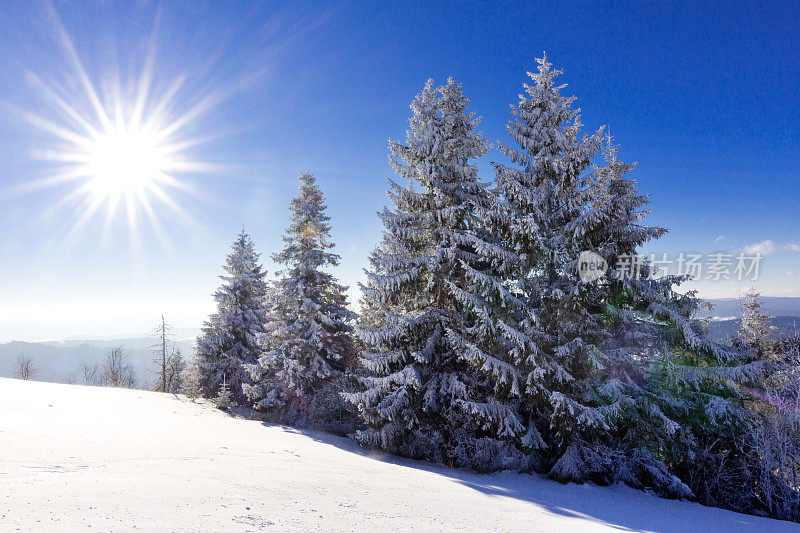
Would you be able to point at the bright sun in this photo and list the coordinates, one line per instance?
(125, 160)
(119, 147)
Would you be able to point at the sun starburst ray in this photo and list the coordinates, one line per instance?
(122, 146)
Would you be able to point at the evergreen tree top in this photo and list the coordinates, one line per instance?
(441, 138)
(242, 259)
(546, 128)
(308, 235)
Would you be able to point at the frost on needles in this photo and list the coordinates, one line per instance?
(427, 396)
(485, 348)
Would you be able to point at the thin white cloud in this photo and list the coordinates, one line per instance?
(792, 247)
(763, 248)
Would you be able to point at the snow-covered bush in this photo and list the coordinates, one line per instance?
(740, 448)
(772, 443)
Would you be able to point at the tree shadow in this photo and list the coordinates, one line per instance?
(617, 506)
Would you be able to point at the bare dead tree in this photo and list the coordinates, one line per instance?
(164, 335)
(116, 370)
(69, 378)
(163, 354)
(25, 368)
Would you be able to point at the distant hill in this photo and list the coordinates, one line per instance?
(774, 306)
(725, 330)
(726, 315)
(56, 359)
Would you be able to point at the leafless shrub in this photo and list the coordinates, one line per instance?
(25, 368)
(116, 371)
(91, 374)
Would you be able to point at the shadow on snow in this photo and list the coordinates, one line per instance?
(617, 506)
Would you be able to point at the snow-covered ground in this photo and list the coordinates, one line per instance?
(73, 457)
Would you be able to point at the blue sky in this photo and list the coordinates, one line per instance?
(704, 98)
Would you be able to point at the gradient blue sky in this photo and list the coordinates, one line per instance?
(705, 98)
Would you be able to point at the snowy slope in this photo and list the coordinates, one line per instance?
(118, 460)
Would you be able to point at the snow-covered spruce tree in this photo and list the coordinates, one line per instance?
(192, 382)
(771, 445)
(427, 395)
(230, 337)
(177, 369)
(592, 344)
(224, 397)
(756, 331)
(308, 345)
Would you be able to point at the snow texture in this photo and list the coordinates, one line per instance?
(116, 460)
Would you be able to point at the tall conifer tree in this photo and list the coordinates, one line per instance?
(589, 347)
(309, 344)
(231, 337)
(424, 398)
